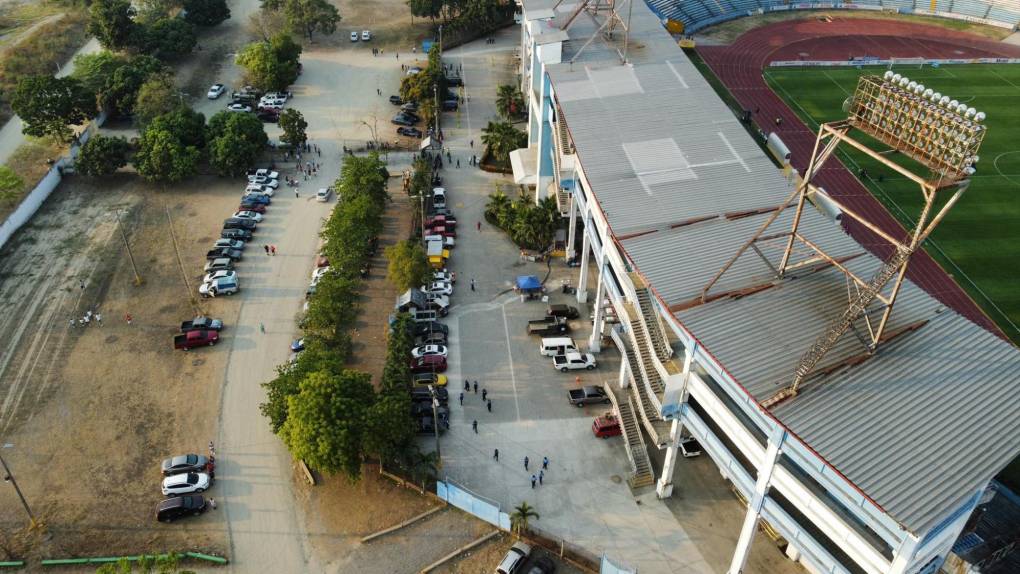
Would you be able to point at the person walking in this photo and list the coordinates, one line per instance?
(127, 317)
(526, 461)
(472, 143)
(462, 398)
(545, 463)
(474, 426)
(476, 387)
(262, 328)
(533, 481)
(266, 247)
(495, 455)
(541, 475)
(458, 163)
(488, 405)
(81, 283)
(296, 194)
(472, 283)
(99, 319)
(272, 249)
(467, 385)
(485, 393)
(478, 225)
(212, 503)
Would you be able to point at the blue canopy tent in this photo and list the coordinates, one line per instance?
(528, 284)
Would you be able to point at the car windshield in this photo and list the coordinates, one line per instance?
(192, 478)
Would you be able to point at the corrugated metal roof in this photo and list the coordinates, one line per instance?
(659, 149)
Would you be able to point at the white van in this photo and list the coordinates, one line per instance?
(552, 346)
(438, 197)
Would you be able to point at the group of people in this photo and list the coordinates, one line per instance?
(87, 319)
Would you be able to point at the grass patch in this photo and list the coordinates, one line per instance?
(29, 162)
(727, 32)
(43, 51)
(979, 241)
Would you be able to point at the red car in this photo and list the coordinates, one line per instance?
(444, 231)
(428, 364)
(606, 426)
(256, 207)
(444, 220)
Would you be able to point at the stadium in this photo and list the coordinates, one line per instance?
(767, 302)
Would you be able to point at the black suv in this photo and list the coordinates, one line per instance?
(423, 329)
(238, 223)
(419, 394)
(242, 234)
(173, 508)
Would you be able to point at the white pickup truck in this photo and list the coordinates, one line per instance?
(573, 361)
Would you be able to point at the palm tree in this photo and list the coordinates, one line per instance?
(501, 138)
(495, 211)
(519, 519)
(509, 101)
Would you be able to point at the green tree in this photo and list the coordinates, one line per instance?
(522, 514)
(264, 69)
(158, 94)
(328, 420)
(94, 70)
(10, 184)
(497, 208)
(390, 427)
(332, 311)
(49, 105)
(185, 123)
(235, 141)
(285, 48)
(112, 23)
(170, 38)
(509, 101)
(306, 17)
(121, 90)
(206, 12)
(408, 267)
(293, 125)
(161, 157)
(150, 11)
(501, 138)
(102, 155)
(426, 8)
(315, 358)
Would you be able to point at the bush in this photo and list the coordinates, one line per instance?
(530, 226)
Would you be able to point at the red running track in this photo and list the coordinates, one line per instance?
(739, 66)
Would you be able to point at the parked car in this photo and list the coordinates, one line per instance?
(441, 220)
(354, 36)
(434, 338)
(214, 275)
(323, 194)
(444, 275)
(221, 286)
(409, 132)
(366, 35)
(574, 361)
(238, 107)
(298, 345)
(219, 252)
(252, 215)
(318, 272)
(548, 326)
(450, 105)
(403, 120)
(270, 106)
(429, 350)
(220, 263)
(188, 483)
(542, 566)
(256, 197)
(257, 188)
(235, 223)
(428, 364)
(268, 116)
(242, 234)
(268, 101)
(251, 206)
(216, 91)
(413, 70)
(424, 409)
(396, 100)
(284, 95)
(426, 379)
(173, 508)
(606, 426)
(425, 328)
(422, 394)
(454, 81)
(201, 322)
(263, 180)
(514, 560)
(263, 172)
(183, 463)
(231, 243)
(587, 395)
(562, 311)
(438, 288)
(192, 339)
(690, 447)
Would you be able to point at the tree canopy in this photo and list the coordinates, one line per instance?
(408, 267)
(184, 122)
(272, 65)
(206, 12)
(95, 69)
(306, 17)
(121, 89)
(48, 105)
(234, 141)
(293, 125)
(102, 155)
(501, 138)
(112, 23)
(169, 38)
(163, 158)
(158, 94)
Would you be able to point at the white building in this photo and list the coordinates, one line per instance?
(858, 472)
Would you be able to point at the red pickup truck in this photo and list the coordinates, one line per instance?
(193, 339)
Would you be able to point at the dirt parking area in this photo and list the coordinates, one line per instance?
(88, 412)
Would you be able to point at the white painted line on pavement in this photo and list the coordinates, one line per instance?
(509, 355)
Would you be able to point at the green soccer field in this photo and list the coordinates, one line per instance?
(979, 241)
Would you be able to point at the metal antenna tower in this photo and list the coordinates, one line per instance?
(937, 132)
(611, 21)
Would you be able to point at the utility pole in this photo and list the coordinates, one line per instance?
(9, 477)
(131, 256)
(435, 425)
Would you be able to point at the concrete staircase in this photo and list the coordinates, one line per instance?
(653, 327)
(641, 466)
(657, 428)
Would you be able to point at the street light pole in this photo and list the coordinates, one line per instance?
(9, 477)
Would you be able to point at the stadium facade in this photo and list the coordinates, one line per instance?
(877, 463)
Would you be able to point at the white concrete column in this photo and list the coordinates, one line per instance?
(572, 227)
(624, 380)
(582, 281)
(595, 341)
(754, 506)
(664, 486)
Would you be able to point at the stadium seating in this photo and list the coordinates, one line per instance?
(698, 14)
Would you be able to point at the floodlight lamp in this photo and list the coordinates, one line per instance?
(953, 104)
(919, 88)
(911, 86)
(928, 93)
(979, 117)
(936, 96)
(961, 109)
(896, 78)
(888, 74)
(944, 100)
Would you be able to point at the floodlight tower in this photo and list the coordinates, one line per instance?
(932, 129)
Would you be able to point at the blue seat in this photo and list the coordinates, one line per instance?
(1000, 14)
